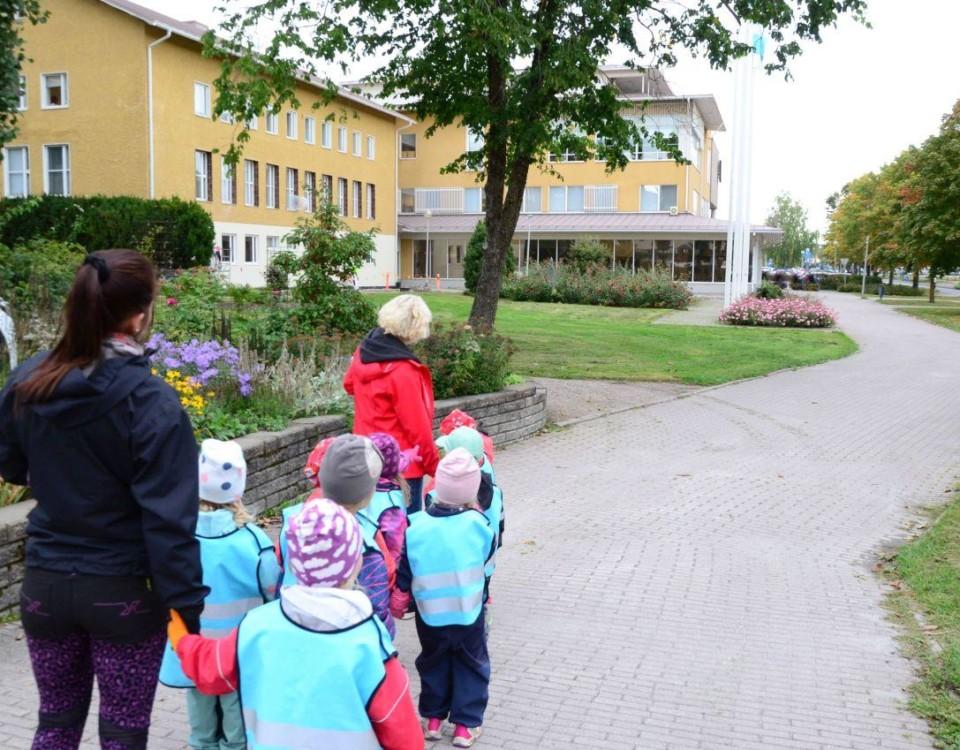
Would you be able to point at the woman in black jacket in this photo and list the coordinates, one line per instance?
(110, 457)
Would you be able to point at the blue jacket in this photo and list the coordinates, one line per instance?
(112, 462)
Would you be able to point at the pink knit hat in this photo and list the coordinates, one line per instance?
(324, 544)
(458, 478)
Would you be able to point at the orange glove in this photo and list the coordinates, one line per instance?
(176, 629)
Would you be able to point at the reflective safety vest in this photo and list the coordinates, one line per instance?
(494, 515)
(383, 500)
(302, 689)
(288, 578)
(231, 566)
(447, 555)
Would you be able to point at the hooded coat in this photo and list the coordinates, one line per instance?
(393, 393)
(112, 462)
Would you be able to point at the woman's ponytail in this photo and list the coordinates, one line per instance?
(110, 287)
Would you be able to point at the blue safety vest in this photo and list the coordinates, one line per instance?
(494, 515)
(447, 555)
(302, 689)
(288, 578)
(383, 500)
(231, 566)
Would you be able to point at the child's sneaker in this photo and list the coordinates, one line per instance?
(433, 730)
(464, 736)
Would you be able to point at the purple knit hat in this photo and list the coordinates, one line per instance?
(324, 544)
(395, 461)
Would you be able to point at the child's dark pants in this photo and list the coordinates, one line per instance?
(81, 626)
(454, 668)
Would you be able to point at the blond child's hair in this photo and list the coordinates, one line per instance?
(241, 516)
(407, 317)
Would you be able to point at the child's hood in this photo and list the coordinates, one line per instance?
(214, 523)
(324, 609)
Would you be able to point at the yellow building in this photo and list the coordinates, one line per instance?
(117, 99)
(654, 212)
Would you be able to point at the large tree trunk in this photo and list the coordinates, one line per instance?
(890, 283)
(916, 278)
(933, 286)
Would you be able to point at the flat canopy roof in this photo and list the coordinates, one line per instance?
(585, 223)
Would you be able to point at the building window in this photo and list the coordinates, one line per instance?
(203, 175)
(342, 140)
(342, 196)
(474, 140)
(566, 199)
(228, 182)
(55, 94)
(252, 123)
(227, 117)
(56, 170)
(326, 134)
(22, 94)
(326, 188)
(227, 246)
(251, 183)
(292, 125)
(357, 143)
(532, 197)
(600, 198)
(408, 201)
(309, 130)
(273, 186)
(657, 198)
(473, 200)
(272, 125)
(16, 171)
(310, 190)
(201, 99)
(371, 147)
(408, 145)
(357, 199)
(371, 201)
(250, 248)
(292, 202)
(273, 246)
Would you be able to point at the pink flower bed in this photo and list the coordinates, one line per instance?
(788, 312)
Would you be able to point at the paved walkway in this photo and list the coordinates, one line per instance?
(696, 574)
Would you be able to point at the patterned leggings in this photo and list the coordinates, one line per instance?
(81, 627)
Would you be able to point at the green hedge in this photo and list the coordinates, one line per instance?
(175, 233)
(897, 290)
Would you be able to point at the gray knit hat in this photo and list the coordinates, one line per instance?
(350, 470)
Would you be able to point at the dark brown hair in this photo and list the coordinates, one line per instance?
(110, 287)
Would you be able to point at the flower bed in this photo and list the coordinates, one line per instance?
(788, 312)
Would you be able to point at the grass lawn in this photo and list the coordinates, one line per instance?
(925, 575)
(944, 312)
(604, 343)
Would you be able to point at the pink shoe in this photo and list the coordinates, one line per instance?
(433, 730)
(465, 737)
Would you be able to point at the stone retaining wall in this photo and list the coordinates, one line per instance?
(275, 464)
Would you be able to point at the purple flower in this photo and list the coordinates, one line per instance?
(171, 364)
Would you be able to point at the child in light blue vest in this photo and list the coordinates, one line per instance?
(241, 569)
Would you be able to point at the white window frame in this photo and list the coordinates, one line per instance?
(475, 141)
(343, 196)
(206, 98)
(400, 146)
(525, 208)
(309, 191)
(371, 199)
(272, 245)
(371, 147)
(256, 250)
(291, 190)
(342, 140)
(227, 183)
(22, 96)
(25, 173)
(233, 248)
(326, 134)
(357, 199)
(291, 132)
(271, 123)
(272, 169)
(309, 130)
(566, 199)
(479, 192)
(43, 91)
(660, 209)
(250, 167)
(357, 143)
(68, 178)
(252, 123)
(227, 118)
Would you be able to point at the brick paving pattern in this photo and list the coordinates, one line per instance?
(696, 574)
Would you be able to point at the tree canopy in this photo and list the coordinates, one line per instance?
(13, 15)
(790, 216)
(523, 73)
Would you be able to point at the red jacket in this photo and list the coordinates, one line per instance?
(396, 397)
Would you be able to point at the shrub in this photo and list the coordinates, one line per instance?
(282, 265)
(546, 282)
(896, 290)
(188, 305)
(464, 363)
(788, 312)
(586, 255)
(768, 290)
(175, 233)
(473, 259)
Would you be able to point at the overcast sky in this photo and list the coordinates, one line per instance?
(855, 102)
